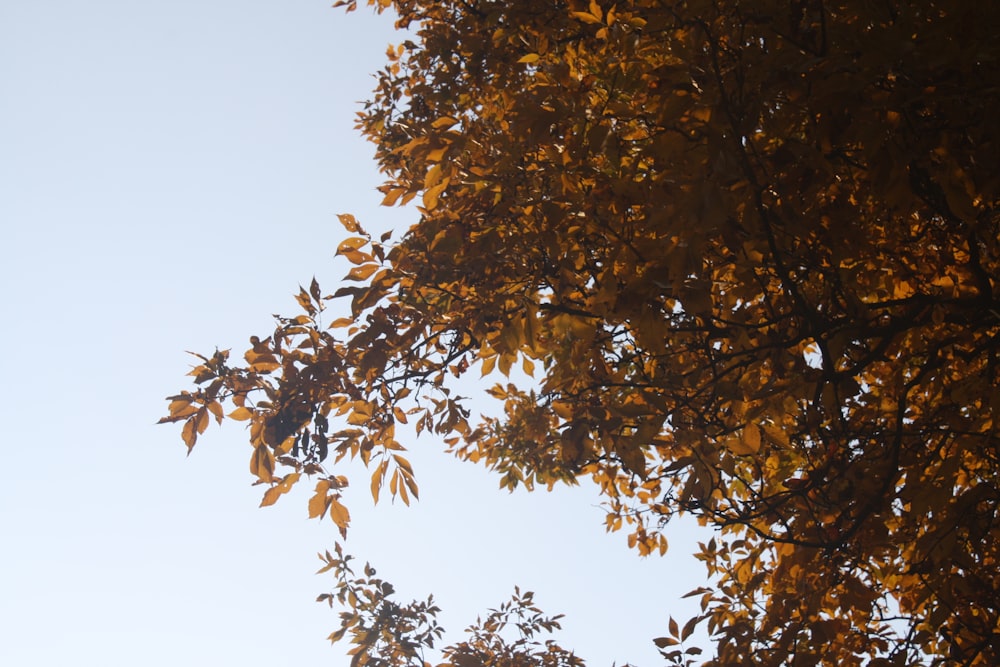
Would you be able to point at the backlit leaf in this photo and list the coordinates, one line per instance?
(241, 414)
(586, 17)
(362, 272)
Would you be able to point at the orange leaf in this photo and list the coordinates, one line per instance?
(444, 121)
(339, 514)
(586, 17)
(748, 442)
(341, 322)
(349, 222)
(216, 409)
(262, 463)
(319, 501)
(240, 414)
(272, 494)
(362, 272)
(188, 434)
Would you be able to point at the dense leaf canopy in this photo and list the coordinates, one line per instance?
(748, 254)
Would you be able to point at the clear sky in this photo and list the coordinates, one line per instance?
(169, 174)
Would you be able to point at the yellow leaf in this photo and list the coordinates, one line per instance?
(530, 58)
(563, 409)
(378, 477)
(216, 409)
(431, 195)
(339, 514)
(349, 222)
(181, 407)
(188, 434)
(272, 494)
(392, 196)
(362, 272)
(586, 17)
(403, 463)
(748, 442)
(341, 322)
(317, 506)
(704, 114)
(444, 121)
(352, 243)
(595, 9)
(776, 435)
(319, 501)
(434, 176)
(240, 414)
(356, 257)
(358, 418)
(489, 363)
(203, 420)
(265, 365)
(437, 154)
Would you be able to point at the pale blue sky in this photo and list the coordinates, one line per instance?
(169, 173)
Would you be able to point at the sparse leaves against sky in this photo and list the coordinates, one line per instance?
(749, 256)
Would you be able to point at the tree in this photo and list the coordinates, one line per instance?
(748, 253)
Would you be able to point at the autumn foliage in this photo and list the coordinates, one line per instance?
(737, 260)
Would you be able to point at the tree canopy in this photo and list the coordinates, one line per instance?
(736, 260)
